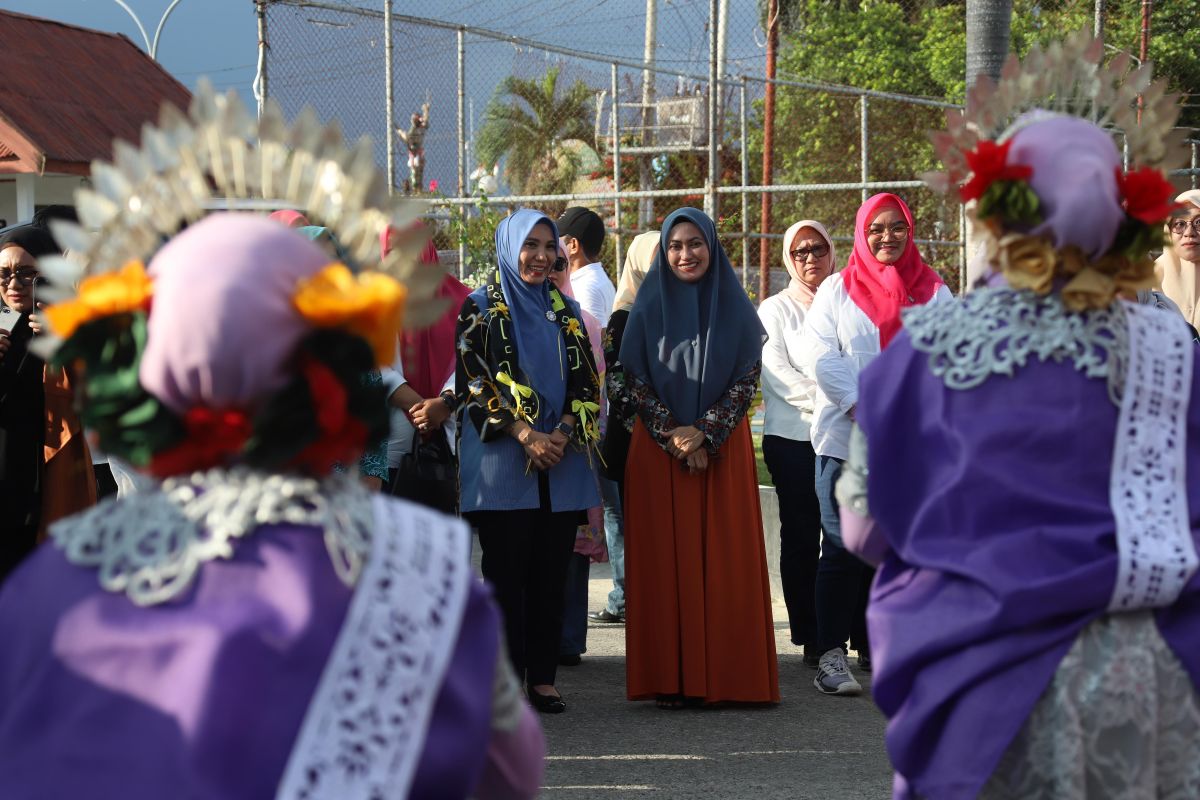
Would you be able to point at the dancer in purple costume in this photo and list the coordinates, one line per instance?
(1028, 461)
(245, 632)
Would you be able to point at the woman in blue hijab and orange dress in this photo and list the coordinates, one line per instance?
(698, 623)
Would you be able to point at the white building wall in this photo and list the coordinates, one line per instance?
(47, 190)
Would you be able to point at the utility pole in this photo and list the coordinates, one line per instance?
(722, 56)
(764, 245)
(988, 24)
(645, 177)
(1098, 25)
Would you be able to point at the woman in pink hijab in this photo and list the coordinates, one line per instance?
(788, 393)
(420, 383)
(854, 315)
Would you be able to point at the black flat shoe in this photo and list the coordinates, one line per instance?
(571, 660)
(604, 615)
(546, 703)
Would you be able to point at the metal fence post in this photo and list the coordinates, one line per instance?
(260, 9)
(863, 143)
(389, 127)
(745, 179)
(616, 156)
(462, 148)
(1195, 155)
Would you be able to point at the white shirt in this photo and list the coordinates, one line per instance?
(594, 291)
(788, 391)
(839, 341)
(401, 437)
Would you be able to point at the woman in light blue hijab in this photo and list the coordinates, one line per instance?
(528, 433)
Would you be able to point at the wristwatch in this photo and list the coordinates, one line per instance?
(565, 429)
(450, 399)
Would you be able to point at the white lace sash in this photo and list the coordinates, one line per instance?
(1148, 487)
(365, 727)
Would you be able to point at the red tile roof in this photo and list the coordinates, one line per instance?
(67, 92)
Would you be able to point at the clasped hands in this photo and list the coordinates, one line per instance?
(543, 450)
(686, 443)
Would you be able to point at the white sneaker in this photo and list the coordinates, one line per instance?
(833, 674)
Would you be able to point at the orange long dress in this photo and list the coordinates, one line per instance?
(698, 614)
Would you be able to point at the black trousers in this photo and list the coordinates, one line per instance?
(792, 465)
(525, 558)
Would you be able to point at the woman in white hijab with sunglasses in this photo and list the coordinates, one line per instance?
(788, 394)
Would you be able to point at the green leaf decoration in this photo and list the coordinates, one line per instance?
(1014, 202)
(131, 423)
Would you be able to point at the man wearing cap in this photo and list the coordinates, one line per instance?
(582, 232)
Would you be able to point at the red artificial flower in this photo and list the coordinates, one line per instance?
(988, 164)
(1146, 195)
(212, 437)
(342, 436)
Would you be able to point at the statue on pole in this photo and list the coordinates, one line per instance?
(414, 140)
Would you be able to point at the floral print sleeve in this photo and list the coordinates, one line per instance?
(485, 407)
(622, 406)
(652, 411)
(725, 415)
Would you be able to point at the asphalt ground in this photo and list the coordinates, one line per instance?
(809, 746)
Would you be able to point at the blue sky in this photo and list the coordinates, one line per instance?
(334, 62)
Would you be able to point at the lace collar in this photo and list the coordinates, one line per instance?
(150, 545)
(995, 331)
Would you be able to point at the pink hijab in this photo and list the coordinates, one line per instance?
(428, 355)
(212, 300)
(881, 290)
(290, 218)
(798, 289)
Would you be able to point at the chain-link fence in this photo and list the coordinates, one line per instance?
(604, 110)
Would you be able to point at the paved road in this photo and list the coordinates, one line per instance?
(810, 746)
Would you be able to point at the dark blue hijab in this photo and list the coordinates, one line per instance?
(541, 353)
(691, 341)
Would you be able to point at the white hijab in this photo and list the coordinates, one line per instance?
(798, 289)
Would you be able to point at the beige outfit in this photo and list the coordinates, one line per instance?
(1178, 277)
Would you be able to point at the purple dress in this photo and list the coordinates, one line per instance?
(202, 696)
(1000, 540)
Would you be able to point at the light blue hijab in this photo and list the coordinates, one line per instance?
(541, 352)
(691, 341)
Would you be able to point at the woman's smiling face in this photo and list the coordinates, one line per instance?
(538, 254)
(887, 235)
(687, 252)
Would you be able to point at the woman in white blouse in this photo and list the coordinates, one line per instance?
(788, 394)
(853, 317)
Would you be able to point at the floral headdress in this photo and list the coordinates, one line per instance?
(1068, 80)
(219, 158)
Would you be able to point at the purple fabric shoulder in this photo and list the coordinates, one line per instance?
(994, 503)
(101, 698)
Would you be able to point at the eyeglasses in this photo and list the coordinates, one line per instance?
(899, 230)
(23, 277)
(802, 253)
(1179, 226)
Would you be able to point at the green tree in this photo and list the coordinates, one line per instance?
(526, 123)
(917, 47)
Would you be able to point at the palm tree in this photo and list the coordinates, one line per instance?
(527, 121)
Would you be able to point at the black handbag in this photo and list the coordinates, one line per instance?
(428, 474)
